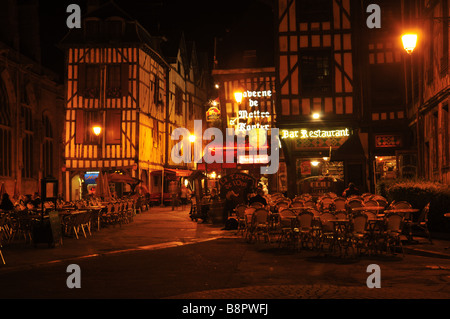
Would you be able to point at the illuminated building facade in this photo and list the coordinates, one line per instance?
(121, 80)
(341, 83)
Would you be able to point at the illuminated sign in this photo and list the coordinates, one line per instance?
(314, 133)
(257, 93)
(90, 177)
(253, 159)
(213, 114)
(255, 115)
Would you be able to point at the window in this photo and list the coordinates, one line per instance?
(313, 10)
(445, 137)
(155, 133)
(435, 129)
(5, 114)
(114, 29)
(445, 45)
(89, 80)
(5, 134)
(191, 107)
(92, 30)
(113, 131)
(85, 120)
(27, 143)
(178, 100)
(47, 152)
(156, 97)
(114, 81)
(315, 73)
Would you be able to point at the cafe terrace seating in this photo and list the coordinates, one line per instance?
(260, 225)
(77, 218)
(422, 222)
(363, 225)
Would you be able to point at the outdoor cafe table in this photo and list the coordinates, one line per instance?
(376, 209)
(406, 212)
(99, 209)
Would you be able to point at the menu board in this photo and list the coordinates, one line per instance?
(55, 224)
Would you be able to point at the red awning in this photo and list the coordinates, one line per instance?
(177, 172)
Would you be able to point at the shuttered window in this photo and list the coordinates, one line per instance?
(113, 130)
(79, 128)
(178, 100)
(89, 80)
(117, 80)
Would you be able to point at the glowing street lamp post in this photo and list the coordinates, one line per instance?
(409, 41)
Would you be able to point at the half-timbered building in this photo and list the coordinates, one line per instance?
(428, 89)
(340, 93)
(119, 80)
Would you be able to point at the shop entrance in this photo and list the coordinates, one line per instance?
(385, 168)
(319, 175)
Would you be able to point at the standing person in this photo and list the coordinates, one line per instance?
(231, 200)
(7, 204)
(183, 196)
(247, 191)
(173, 190)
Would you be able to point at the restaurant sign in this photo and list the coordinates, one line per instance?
(304, 133)
(252, 118)
(213, 114)
(236, 182)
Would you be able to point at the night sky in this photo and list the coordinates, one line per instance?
(237, 24)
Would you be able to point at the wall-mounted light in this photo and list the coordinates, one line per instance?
(238, 97)
(314, 163)
(97, 129)
(316, 116)
(192, 138)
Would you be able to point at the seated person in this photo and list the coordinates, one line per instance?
(258, 198)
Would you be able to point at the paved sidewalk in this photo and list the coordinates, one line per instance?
(186, 250)
(157, 228)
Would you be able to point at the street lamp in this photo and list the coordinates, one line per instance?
(409, 41)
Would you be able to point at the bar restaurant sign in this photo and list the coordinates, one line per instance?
(315, 138)
(304, 133)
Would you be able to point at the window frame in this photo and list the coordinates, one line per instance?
(311, 90)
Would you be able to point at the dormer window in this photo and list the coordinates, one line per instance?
(92, 29)
(114, 28)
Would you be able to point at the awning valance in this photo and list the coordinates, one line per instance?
(352, 149)
(177, 172)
